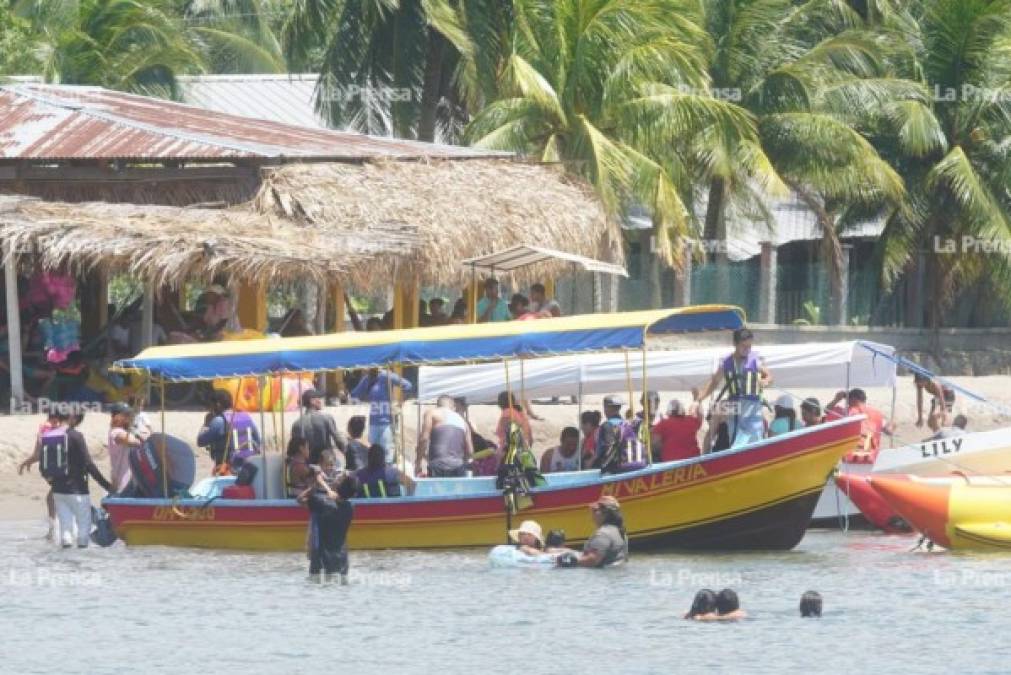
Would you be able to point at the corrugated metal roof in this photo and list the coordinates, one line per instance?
(280, 98)
(50, 122)
(792, 220)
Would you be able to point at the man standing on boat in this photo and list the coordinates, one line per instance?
(376, 388)
(744, 375)
(445, 441)
(318, 428)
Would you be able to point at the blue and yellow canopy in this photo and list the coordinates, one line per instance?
(415, 346)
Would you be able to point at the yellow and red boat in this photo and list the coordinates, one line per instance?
(757, 497)
(956, 512)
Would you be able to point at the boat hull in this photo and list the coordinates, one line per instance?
(758, 497)
(953, 512)
(846, 505)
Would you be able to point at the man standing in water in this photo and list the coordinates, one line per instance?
(744, 375)
(445, 441)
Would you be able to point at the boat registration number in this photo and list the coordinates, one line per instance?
(680, 476)
(184, 513)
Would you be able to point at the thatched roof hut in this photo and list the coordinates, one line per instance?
(460, 210)
(167, 245)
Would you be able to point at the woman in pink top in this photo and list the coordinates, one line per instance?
(120, 443)
(510, 415)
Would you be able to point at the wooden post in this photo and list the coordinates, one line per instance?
(251, 305)
(472, 297)
(13, 326)
(147, 317)
(335, 378)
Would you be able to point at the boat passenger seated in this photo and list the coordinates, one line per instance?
(378, 479)
(297, 465)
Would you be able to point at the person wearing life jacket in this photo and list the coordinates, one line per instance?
(65, 463)
(744, 376)
(230, 436)
(378, 479)
(607, 455)
(565, 456)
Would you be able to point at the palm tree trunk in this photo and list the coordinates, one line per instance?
(432, 86)
(715, 232)
(831, 251)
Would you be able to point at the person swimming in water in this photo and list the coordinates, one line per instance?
(555, 542)
(528, 537)
(703, 607)
(810, 605)
(728, 606)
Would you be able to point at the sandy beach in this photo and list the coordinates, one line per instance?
(21, 497)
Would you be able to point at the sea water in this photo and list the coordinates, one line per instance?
(887, 609)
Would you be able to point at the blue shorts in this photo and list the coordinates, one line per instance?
(748, 425)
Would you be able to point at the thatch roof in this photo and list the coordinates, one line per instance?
(368, 224)
(461, 209)
(168, 245)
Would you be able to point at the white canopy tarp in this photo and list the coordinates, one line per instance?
(807, 366)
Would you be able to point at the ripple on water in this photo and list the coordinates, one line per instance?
(887, 609)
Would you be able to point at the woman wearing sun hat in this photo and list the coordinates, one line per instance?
(528, 537)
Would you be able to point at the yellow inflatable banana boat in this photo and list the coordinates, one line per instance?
(955, 512)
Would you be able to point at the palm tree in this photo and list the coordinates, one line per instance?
(806, 72)
(954, 152)
(235, 36)
(141, 45)
(616, 92)
(403, 67)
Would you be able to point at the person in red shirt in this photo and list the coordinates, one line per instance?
(678, 432)
(870, 429)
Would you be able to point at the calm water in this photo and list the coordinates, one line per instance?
(176, 611)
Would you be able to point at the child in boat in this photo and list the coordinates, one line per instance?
(554, 543)
(728, 606)
(785, 419)
(810, 605)
(357, 452)
(297, 461)
(332, 513)
(703, 607)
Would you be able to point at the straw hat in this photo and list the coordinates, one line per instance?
(530, 527)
